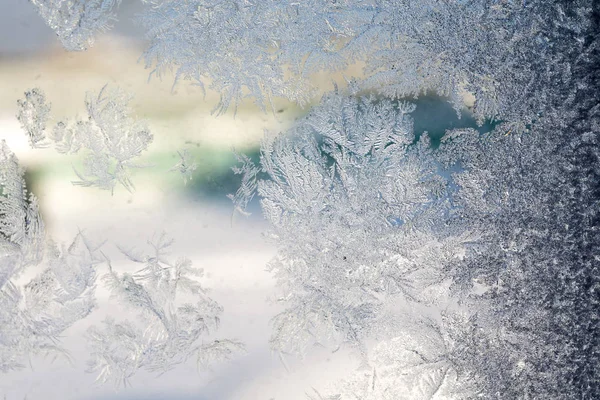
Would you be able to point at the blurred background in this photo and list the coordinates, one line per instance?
(197, 215)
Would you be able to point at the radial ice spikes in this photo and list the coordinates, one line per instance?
(359, 212)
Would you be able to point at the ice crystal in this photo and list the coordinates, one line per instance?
(110, 138)
(247, 189)
(33, 115)
(33, 314)
(76, 22)
(186, 166)
(416, 365)
(172, 326)
(358, 209)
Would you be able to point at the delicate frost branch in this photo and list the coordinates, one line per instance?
(248, 186)
(34, 315)
(171, 330)
(186, 166)
(76, 22)
(112, 139)
(33, 115)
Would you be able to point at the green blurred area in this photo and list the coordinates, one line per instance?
(213, 177)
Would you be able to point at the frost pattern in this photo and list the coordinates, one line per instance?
(416, 365)
(186, 166)
(500, 51)
(367, 218)
(358, 210)
(503, 52)
(370, 221)
(33, 115)
(231, 43)
(171, 328)
(76, 22)
(267, 49)
(255, 49)
(110, 138)
(34, 314)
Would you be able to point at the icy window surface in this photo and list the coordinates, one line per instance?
(110, 138)
(461, 264)
(171, 329)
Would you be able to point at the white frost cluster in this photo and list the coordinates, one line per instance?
(76, 22)
(175, 315)
(110, 138)
(35, 312)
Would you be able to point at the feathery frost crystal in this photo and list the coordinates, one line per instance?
(175, 314)
(76, 22)
(358, 210)
(110, 137)
(471, 270)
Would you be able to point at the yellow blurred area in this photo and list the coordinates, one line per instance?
(179, 116)
(176, 114)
